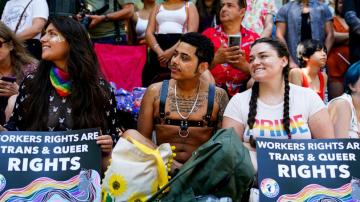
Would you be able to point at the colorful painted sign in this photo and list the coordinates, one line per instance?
(308, 170)
(50, 166)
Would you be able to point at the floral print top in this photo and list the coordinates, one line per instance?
(227, 76)
(256, 12)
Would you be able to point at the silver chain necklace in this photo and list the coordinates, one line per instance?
(193, 107)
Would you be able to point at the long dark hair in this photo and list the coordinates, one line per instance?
(88, 98)
(282, 51)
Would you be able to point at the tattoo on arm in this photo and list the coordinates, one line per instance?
(222, 99)
(156, 98)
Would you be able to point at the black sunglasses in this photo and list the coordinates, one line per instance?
(2, 43)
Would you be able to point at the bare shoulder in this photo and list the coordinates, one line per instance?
(295, 76)
(153, 91)
(339, 109)
(295, 71)
(219, 92)
(340, 105)
(155, 87)
(221, 96)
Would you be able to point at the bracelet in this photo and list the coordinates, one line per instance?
(155, 46)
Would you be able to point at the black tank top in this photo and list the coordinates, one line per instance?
(305, 26)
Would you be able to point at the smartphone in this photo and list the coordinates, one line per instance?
(234, 40)
(8, 79)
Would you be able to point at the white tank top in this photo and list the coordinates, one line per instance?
(354, 124)
(140, 27)
(171, 21)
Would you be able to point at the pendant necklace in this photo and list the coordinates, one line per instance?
(183, 131)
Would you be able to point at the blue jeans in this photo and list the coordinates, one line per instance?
(290, 14)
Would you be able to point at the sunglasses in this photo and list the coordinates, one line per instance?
(2, 43)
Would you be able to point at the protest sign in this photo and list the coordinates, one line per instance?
(50, 166)
(308, 170)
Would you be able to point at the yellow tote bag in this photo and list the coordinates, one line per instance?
(136, 171)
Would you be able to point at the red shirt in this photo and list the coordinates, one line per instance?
(321, 91)
(225, 75)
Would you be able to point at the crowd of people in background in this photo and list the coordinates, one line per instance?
(288, 64)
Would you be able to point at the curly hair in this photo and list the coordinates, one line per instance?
(282, 51)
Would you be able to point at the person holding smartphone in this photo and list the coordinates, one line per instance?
(230, 67)
(15, 62)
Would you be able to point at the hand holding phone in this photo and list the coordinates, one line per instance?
(234, 40)
(8, 79)
(8, 86)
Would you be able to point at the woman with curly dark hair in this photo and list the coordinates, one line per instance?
(67, 91)
(274, 108)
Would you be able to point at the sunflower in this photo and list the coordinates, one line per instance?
(137, 197)
(117, 185)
